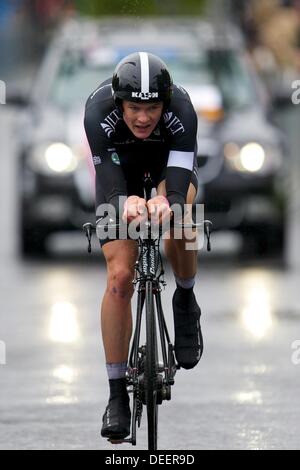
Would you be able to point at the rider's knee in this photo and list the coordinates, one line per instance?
(120, 282)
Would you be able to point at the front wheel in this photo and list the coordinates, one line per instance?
(151, 369)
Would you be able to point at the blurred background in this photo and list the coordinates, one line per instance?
(240, 62)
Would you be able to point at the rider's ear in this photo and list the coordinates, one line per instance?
(119, 104)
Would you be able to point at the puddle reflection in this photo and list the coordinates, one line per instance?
(62, 400)
(249, 397)
(64, 327)
(65, 374)
(61, 393)
(257, 309)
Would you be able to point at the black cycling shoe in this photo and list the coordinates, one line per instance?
(117, 416)
(188, 335)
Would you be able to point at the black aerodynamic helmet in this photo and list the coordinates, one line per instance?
(142, 77)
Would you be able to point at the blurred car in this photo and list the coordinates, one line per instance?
(240, 152)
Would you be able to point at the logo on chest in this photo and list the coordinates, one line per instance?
(110, 122)
(173, 123)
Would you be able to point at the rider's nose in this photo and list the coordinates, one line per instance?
(143, 117)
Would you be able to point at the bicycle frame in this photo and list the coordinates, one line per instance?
(149, 268)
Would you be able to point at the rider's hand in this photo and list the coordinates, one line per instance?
(135, 208)
(159, 210)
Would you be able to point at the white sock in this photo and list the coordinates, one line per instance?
(185, 283)
(116, 370)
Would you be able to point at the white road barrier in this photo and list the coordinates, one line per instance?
(2, 353)
(2, 92)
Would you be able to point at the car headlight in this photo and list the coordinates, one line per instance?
(60, 158)
(55, 158)
(252, 157)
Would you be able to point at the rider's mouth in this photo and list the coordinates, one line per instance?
(142, 128)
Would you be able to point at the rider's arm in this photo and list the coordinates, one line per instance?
(183, 143)
(109, 175)
(178, 176)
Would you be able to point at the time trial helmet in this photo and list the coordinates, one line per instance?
(142, 77)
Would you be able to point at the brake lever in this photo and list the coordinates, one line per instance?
(207, 231)
(88, 233)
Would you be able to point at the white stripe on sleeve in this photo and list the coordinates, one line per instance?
(181, 159)
(144, 72)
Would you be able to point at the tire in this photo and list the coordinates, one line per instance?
(151, 369)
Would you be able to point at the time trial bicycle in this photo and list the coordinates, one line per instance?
(152, 365)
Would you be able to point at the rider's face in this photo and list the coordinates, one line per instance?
(142, 118)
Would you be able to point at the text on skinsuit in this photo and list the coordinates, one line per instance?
(110, 122)
(173, 123)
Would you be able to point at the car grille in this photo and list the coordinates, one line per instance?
(218, 206)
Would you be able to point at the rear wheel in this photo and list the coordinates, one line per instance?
(151, 369)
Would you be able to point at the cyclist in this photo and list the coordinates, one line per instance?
(137, 122)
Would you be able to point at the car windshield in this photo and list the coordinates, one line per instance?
(224, 69)
(79, 74)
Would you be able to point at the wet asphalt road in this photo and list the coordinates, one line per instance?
(53, 389)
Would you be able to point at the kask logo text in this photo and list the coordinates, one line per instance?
(144, 95)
